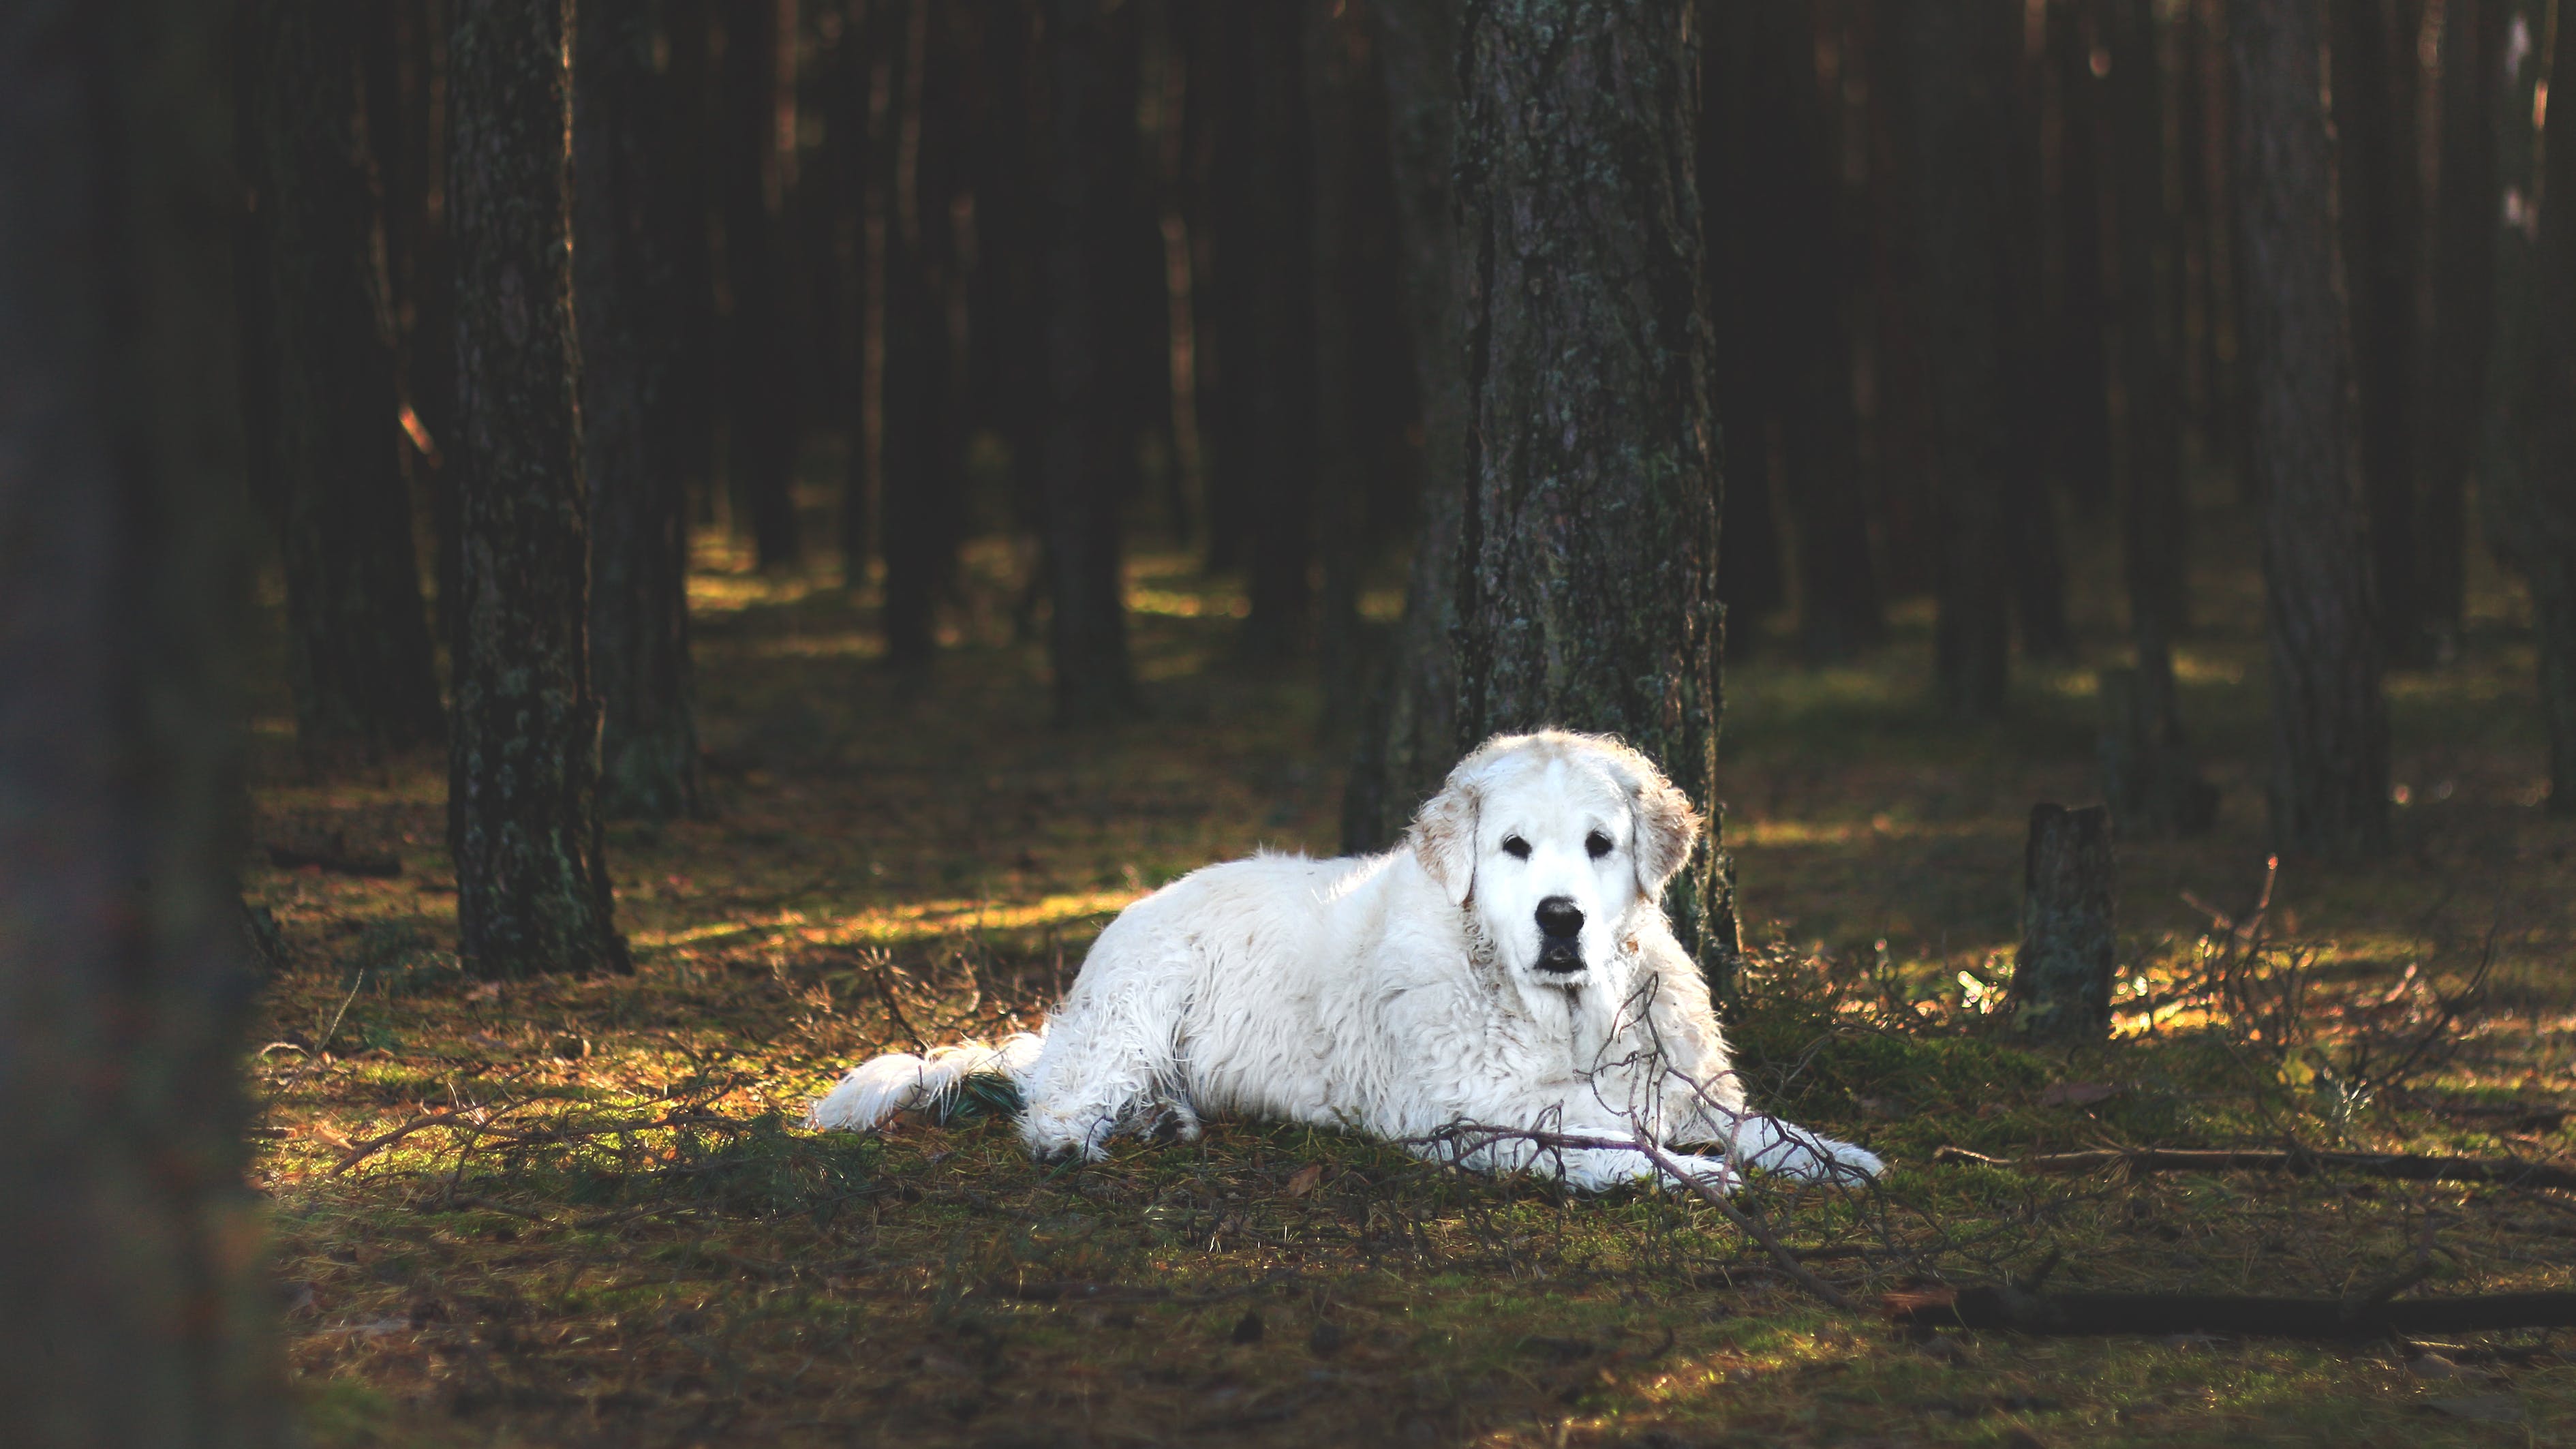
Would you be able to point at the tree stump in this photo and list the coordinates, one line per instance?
(2061, 986)
(2149, 778)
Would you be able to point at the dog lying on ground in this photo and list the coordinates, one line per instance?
(1507, 967)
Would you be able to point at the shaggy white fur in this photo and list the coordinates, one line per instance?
(1507, 967)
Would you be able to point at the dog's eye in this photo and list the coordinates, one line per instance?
(1596, 845)
(1515, 847)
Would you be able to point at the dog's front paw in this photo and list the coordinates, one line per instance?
(1713, 1173)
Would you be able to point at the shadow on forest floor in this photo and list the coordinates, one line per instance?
(579, 1212)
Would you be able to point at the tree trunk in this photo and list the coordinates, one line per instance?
(1962, 59)
(2529, 481)
(129, 1245)
(629, 302)
(761, 447)
(359, 649)
(1088, 639)
(1332, 52)
(2147, 267)
(2329, 790)
(1589, 538)
(2460, 288)
(2035, 554)
(1274, 362)
(1744, 179)
(2372, 53)
(523, 781)
(1414, 740)
(2061, 983)
(918, 502)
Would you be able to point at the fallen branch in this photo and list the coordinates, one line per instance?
(2503, 1170)
(2091, 1314)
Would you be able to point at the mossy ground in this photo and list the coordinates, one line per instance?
(616, 1234)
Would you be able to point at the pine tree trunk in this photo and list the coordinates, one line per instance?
(1404, 753)
(1088, 639)
(2035, 554)
(918, 508)
(523, 781)
(2329, 791)
(1589, 538)
(1328, 36)
(1962, 58)
(1745, 175)
(2061, 983)
(2461, 287)
(629, 305)
(2372, 87)
(359, 650)
(2528, 484)
(2154, 520)
(1273, 362)
(760, 449)
(138, 1302)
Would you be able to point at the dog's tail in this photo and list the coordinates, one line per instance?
(901, 1082)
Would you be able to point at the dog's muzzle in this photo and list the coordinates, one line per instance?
(1560, 926)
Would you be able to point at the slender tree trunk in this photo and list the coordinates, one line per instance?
(629, 302)
(416, 209)
(1343, 478)
(2460, 293)
(129, 1245)
(2154, 520)
(2528, 484)
(1589, 539)
(523, 782)
(359, 650)
(2035, 553)
(2329, 791)
(1746, 173)
(917, 508)
(1275, 361)
(1415, 738)
(2371, 84)
(1963, 58)
(761, 446)
(1088, 640)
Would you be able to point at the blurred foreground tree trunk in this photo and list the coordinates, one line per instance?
(2529, 481)
(1588, 547)
(1962, 58)
(326, 434)
(2329, 789)
(2459, 292)
(630, 306)
(523, 781)
(1414, 738)
(130, 1247)
(1088, 640)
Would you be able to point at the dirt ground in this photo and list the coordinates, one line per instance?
(582, 1212)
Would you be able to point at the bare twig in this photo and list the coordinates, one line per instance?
(329, 1032)
(2505, 1171)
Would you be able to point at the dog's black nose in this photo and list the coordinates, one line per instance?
(1559, 917)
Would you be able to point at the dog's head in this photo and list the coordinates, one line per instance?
(1553, 841)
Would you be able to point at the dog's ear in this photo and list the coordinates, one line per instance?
(1444, 837)
(1666, 829)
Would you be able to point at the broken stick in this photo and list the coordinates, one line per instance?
(2503, 1170)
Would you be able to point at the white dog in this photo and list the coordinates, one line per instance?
(1508, 967)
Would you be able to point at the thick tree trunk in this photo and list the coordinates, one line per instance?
(1963, 59)
(1273, 362)
(359, 649)
(1589, 538)
(523, 781)
(1415, 739)
(2372, 49)
(2529, 480)
(918, 506)
(760, 450)
(2460, 288)
(629, 304)
(2329, 790)
(1088, 639)
(129, 1246)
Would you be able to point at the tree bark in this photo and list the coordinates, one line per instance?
(1274, 360)
(359, 649)
(760, 450)
(129, 1244)
(2329, 789)
(1962, 59)
(523, 781)
(2529, 481)
(918, 505)
(629, 303)
(2147, 266)
(1088, 638)
(1333, 52)
(2372, 52)
(2061, 983)
(1588, 543)
(2460, 292)
(1414, 740)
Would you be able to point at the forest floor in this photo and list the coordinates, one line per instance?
(578, 1212)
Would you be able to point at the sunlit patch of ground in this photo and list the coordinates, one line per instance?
(582, 1212)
